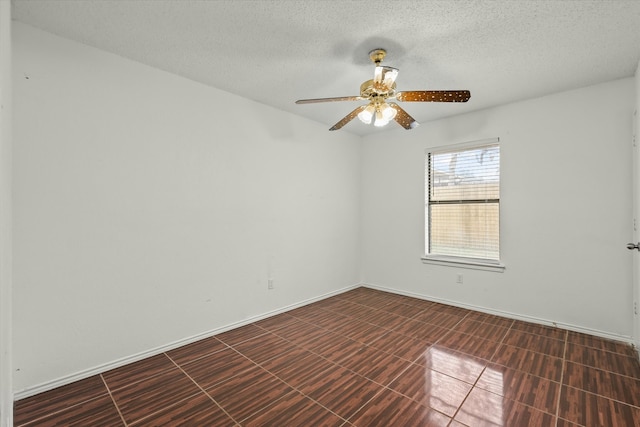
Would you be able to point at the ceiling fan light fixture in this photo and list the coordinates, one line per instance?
(381, 120)
(377, 74)
(366, 115)
(389, 76)
(385, 76)
(388, 112)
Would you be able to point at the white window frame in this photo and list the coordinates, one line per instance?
(458, 261)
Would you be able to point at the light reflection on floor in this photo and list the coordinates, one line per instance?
(488, 411)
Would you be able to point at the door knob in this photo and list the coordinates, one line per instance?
(632, 246)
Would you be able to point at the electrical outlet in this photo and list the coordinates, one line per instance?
(459, 279)
(270, 284)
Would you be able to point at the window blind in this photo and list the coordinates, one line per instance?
(463, 202)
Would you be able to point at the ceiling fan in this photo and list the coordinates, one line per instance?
(383, 88)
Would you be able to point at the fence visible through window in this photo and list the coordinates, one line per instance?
(463, 202)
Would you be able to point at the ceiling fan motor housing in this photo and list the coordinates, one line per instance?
(372, 90)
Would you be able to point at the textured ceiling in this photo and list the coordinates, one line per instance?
(277, 51)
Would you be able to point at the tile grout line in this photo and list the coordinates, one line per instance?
(248, 339)
(597, 368)
(142, 419)
(412, 363)
(200, 356)
(163, 408)
(594, 368)
(545, 354)
(453, 417)
(49, 414)
(201, 389)
(382, 386)
(564, 361)
(528, 373)
(294, 388)
(406, 319)
(344, 336)
(482, 372)
(563, 340)
(603, 397)
(382, 389)
(626, 346)
(113, 400)
(600, 368)
(270, 373)
(534, 351)
(129, 384)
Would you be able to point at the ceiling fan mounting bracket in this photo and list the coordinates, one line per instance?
(377, 55)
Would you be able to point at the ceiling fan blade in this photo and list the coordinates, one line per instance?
(352, 115)
(403, 118)
(434, 96)
(340, 98)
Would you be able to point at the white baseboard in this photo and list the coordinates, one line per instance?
(68, 379)
(589, 331)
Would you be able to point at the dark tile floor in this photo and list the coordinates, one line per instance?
(363, 358)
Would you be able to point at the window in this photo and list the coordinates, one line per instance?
(462, 206)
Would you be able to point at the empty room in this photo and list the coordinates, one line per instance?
(319, 213)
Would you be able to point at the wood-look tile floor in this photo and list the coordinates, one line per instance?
(363, 358)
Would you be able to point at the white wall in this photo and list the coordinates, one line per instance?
(565, 210)
(6, 380)
(149, 208)
(636, 277)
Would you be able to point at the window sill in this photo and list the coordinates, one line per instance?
(471, 263)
